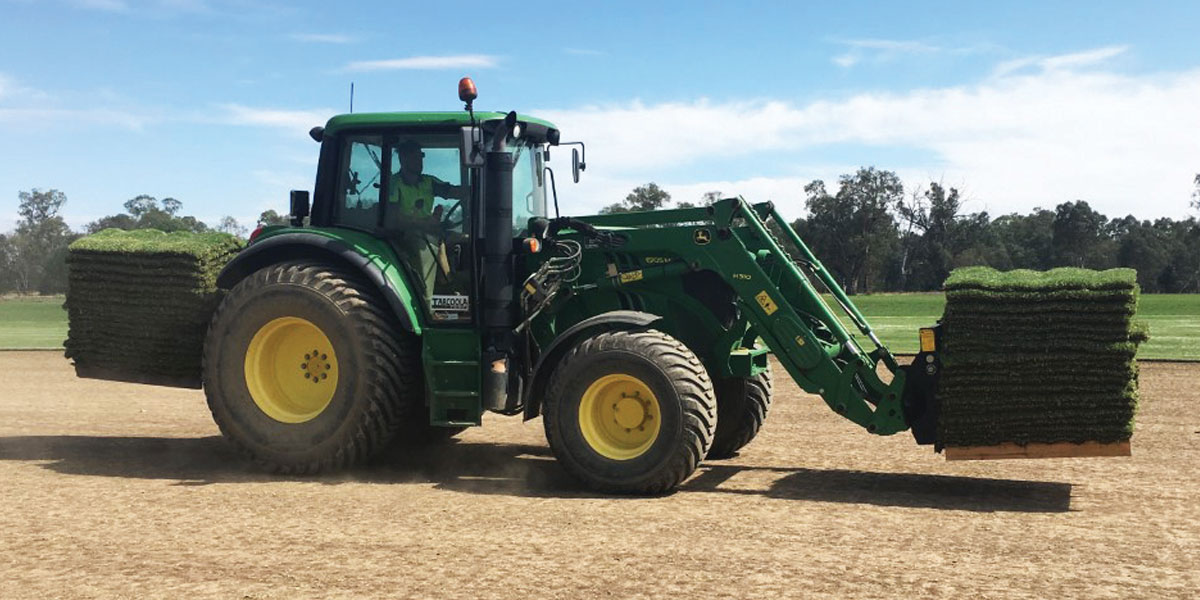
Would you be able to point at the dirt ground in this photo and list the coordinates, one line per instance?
(118, 490)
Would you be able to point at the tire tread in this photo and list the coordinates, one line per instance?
(743, 404)
(694, 388)
(392, 364)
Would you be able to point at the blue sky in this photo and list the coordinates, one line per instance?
(209, 101)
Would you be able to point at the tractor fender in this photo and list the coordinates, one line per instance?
(292, 246)
(609, 321)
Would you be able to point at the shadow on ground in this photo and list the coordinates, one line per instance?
(475, 467)
(913, 490)
(521, 470)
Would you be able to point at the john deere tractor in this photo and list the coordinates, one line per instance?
(426, 282)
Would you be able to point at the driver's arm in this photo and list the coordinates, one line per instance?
(445, 190)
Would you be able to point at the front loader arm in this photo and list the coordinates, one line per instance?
(732, 239)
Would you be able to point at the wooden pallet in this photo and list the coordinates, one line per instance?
(1037, 450)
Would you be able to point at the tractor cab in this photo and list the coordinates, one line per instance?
(417, 181)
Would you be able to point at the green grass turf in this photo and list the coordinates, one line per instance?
(156, 243)
(1174, 321)
(1062, 278)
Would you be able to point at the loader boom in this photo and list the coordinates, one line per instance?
(775, 294)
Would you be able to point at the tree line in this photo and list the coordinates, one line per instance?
(870, 232)
(33, 256)
(876, 236)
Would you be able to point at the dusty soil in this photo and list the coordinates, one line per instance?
(111, 489)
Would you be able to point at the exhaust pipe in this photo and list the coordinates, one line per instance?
(499, 315)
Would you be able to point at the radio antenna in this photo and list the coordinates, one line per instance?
(351, 96)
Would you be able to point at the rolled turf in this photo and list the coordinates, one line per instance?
(138, 303)
(1033, 356)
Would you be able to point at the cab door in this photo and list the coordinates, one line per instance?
(428, 219)
(422, 205)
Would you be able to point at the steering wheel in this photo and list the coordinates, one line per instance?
(448, 220)
(448, 224)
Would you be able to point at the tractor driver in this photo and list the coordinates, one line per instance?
(412, 193)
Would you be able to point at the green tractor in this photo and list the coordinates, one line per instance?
(426, 282)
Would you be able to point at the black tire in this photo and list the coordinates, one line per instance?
(742, 405)
(685, 399)
(378, 378)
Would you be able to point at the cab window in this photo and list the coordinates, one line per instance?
(359, 186)
(434, 165)
(529, 192)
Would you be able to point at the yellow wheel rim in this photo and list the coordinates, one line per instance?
(291, 370)
(619, 416)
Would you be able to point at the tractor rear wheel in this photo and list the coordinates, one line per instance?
(306, 370)
(742, 405)
(630, 412)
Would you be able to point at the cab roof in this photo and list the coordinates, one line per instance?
(400, 119)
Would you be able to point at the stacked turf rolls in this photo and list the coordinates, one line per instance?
(139, 303)
(1043, 357)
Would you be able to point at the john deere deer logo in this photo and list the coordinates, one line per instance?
(701, 236)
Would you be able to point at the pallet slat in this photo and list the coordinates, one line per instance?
(1037, 450)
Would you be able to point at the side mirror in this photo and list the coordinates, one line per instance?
(300, 206)
(578, 159)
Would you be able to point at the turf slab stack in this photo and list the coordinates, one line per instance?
(139, 303)
(1038, 357)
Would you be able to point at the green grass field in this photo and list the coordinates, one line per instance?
(32, 322)
(1174, 322)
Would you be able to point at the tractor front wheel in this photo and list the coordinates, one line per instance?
(742, 405)
(630, 412)
(305, 369)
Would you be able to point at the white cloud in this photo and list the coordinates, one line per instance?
(480, 61)
(324, 38)
(12, 90)
(1061, 61)
(786, 192)
(24, 107)
(1127, 144)
(846, 60)
(879, 51)
(892, 45)
(595, 192)
(298, 120)
(1082, 59)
